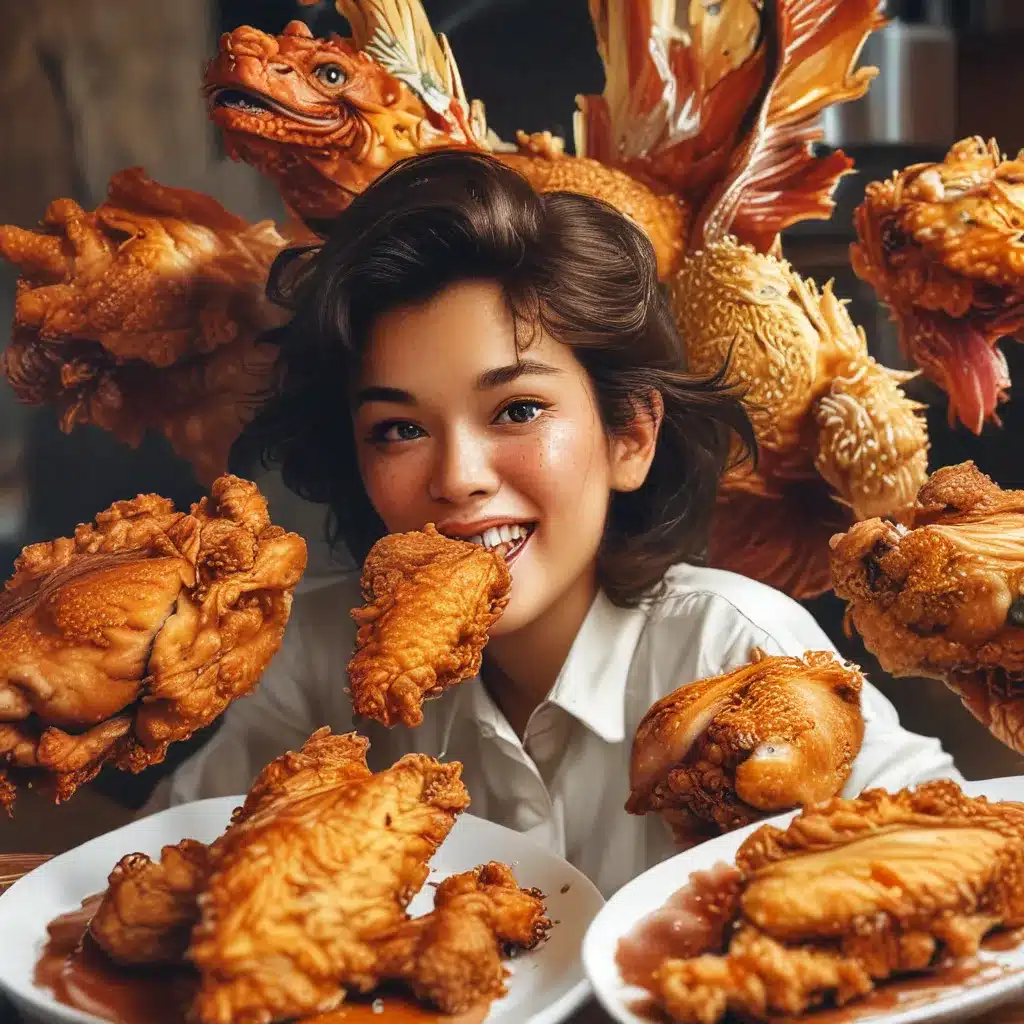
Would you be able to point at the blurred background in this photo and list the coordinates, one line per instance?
(88, 87)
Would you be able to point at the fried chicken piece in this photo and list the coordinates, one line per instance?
(307, 883)
(940, 594)
(150, 907)
(838, 439)
(720, 753)
(138, 631)
(941, 245)
(452, 957)
(147, 914)
(430, 602)
(851, 893)
(144, 315)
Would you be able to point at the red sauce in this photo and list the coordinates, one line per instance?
(692, 921)
(79, 974)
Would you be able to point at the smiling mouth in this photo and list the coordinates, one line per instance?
(506, 540)
(253, 103)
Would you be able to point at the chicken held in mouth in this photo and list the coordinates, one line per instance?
(852, 893)
(720, 753)
(430, 601)
(940, 593)
(138, 631)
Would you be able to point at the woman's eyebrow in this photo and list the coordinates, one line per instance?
(506, 374)
(376, 393)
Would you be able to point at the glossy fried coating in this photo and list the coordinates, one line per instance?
(838, 440)
(452, 957)
(309, 881)
(940, 593)
(941, 245)
(777, 733)
(430, 602)
(144, 314)
(138, 631)
(147, 914)
(854, 892)
(150, 907)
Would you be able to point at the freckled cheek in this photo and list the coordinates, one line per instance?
(395, 485)
(553, 463)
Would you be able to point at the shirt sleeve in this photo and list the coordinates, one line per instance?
(279, 715)
(890, 757)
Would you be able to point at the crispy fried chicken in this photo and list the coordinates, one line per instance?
(449, 957)
(941, 245)
(303, 899)
(430, 602)
(853, 892)
(138, 631)
(143, 314)
(940, 594)
(775, 734)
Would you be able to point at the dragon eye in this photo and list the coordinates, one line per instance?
(713, 10)
(330, 74)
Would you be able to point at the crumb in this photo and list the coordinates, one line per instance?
(565, 888)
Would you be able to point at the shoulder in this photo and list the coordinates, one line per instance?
(724, 615)
(690, 589)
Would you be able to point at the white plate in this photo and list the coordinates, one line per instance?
(547, 984)
(649, 891)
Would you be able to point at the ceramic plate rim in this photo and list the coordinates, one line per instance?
(39, 1005)
(614, 996)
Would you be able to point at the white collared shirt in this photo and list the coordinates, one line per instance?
(566, 783)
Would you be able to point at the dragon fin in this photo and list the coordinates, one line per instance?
(718, 101)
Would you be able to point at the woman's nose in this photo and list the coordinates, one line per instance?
(462, 469)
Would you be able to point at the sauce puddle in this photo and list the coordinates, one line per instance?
(79, 974)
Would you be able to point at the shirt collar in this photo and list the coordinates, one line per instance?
(592, 683)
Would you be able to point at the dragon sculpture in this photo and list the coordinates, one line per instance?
(942, 244)
(704, 133)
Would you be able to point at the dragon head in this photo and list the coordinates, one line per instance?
(942, 244)
(324, 117)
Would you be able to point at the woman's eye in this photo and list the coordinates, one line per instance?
(520, 412)
(396, 430)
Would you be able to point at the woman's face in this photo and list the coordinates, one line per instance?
(507, 449)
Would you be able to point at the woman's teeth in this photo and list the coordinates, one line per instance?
(503, 539)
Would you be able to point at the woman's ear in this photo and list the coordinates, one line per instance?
(632, 447)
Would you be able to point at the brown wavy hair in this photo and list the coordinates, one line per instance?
(569, 265)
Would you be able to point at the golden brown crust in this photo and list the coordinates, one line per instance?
(140, 630)
(778, 733)
(147, 914)
(851, 893)
(941, 244)
(143, 315)
(430, 602)
(837, 437)
(305, 885)
(452, 957)
(939, 594)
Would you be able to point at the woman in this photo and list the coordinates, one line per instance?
(466, 352)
